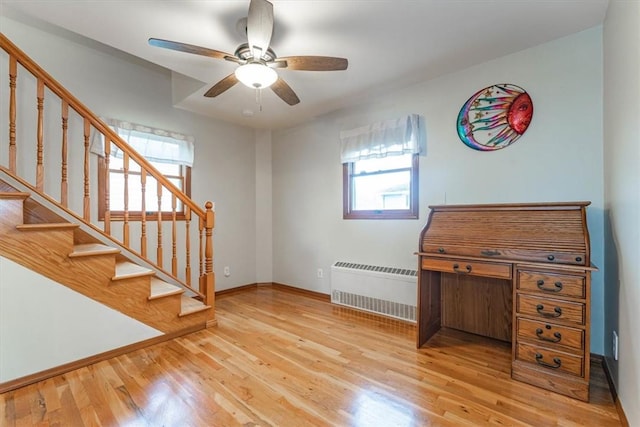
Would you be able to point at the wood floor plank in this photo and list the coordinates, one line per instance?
(279, 358)
(50, 401)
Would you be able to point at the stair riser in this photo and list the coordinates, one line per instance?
(141, 282)
(100, 265)
(131, 300)
(11, 214)
(193, 319)
(169, 307)
(37, 249)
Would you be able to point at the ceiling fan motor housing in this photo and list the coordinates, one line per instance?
(244, 52)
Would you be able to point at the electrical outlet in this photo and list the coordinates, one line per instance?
(320, 273)
(227, 271)
(615, 345)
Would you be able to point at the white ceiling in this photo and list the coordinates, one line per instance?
(389, 43)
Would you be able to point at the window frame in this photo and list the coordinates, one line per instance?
(347, 195)
(151, 215)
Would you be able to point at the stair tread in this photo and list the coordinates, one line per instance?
(88, 249)
(47, 226)
(126, 270)
(190, 305)
(14, 195)
(160, 289)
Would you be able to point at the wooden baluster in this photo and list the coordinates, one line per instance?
(143, 226)
(209, 279)
(125, 224)
(201, 255)
(187, 223)
(40, 136)
(107, 190)
(159, 250)
(64, 185)
(174, 234)
(86, 208)
(13, 73)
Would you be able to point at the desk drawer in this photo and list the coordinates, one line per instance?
(549, 334)
(551, 284)
(552, 310)
(473, 268)
(552, 360)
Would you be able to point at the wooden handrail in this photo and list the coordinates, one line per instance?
(91, 120)
(95, 121)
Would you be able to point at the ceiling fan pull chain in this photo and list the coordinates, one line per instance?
(259, 98)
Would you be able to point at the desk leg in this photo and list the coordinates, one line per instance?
(429, 305)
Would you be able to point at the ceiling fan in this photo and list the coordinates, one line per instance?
(257, 61)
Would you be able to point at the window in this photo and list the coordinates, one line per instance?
(385, 188)
(170, 153)
(380, 169)
(179, 175)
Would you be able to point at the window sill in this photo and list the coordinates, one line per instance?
(388, 214)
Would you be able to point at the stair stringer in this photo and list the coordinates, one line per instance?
(47, 250)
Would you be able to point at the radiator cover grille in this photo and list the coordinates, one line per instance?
(387, 291)
(375, 305)
(377, 268)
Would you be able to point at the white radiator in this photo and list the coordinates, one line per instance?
(383, 290)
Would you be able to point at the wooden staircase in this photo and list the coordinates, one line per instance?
(157, 269)
(64, 253)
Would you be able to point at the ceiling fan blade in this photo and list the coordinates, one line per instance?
(222, 86)
(189, 48)
(313, 63)
(259, 27)
(284, 91)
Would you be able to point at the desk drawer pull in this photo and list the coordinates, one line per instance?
(490, 253)
(557, 311)
(557, 288)
(456, 268)
(556, 362)
(557, 335)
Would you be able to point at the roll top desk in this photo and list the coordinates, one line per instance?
(519, 273)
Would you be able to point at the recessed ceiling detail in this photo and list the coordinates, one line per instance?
(390, 44)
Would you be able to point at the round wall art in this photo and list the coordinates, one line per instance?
(495, 117)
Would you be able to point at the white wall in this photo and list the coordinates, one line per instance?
(622, 198)
(114, 84)
(264, 208)
(558, 159)
(44, 324)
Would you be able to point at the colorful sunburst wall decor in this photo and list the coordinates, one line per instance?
(495, 117)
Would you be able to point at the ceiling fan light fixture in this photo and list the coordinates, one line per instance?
(256, 75)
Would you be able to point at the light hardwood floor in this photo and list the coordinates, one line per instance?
(279, 358)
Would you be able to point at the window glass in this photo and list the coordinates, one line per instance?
(384, 163)
(381, 188)
(178, 175)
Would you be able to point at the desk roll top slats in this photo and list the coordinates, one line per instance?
(536, 232)
(514, 272)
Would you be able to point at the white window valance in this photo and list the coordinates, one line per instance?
(153, 144)
(386, 138)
